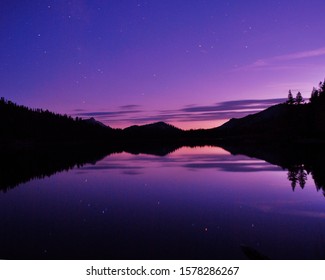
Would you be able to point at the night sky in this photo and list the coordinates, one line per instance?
(189, 63)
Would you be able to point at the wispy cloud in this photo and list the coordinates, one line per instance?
(129, 107)
(274, 63)
(300, 55)
(235, 167)
(107, 113)
(248, 104)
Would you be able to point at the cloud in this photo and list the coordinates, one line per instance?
(129, 107)
(248, 104)
(272, 63)
(190, 113)
(107, 113)
(300, 55)
(235, 167)
(219, 111)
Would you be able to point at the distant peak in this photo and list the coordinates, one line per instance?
(93, 121)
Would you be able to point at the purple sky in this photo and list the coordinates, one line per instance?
(190, 63)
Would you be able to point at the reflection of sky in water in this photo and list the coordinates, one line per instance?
(194, 203)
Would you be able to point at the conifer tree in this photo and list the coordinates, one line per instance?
(314, 95)
(299, 98)
(290, 100)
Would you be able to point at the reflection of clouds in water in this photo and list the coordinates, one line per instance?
(192, 158)
(229, 163)
(132, 172)
(290, 208)
(80, 171)
(306, 213)
(224, 162)
(110, 166)
(235, 166)
(125, 169)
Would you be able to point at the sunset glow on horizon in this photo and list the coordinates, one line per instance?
(193, 64)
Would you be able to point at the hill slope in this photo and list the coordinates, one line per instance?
(158, 131)
(19, 123)
(280, 122)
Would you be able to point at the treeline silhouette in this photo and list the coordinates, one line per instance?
(36, 142)
(22, 165)
(21, 127)
(293, 121)
(299, 160)
(21, 124)
(313, 111)
(318, 95)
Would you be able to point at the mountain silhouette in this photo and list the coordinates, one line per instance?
(292, 121)
(281, 122)
(39, 143)
(22, 126)
(158, 131)
(95, 122)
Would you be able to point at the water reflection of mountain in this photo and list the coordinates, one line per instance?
(299, 160)
(24, 164)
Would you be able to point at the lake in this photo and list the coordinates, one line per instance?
(193, 203)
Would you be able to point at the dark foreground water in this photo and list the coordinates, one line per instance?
(195, 203)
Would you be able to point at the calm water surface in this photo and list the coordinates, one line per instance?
(196, 203)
